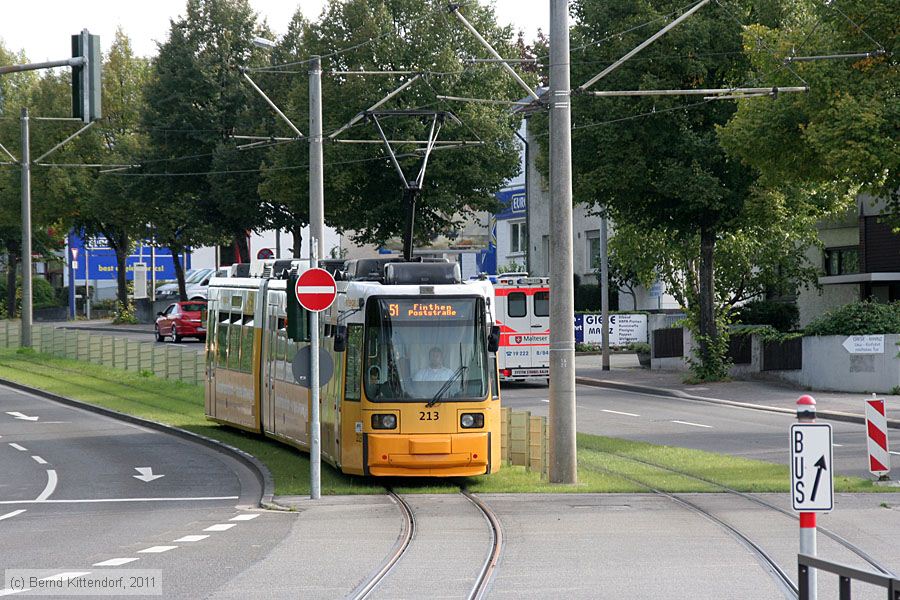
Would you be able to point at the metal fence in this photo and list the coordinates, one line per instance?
(846, 575)
(782, 356)
(167, 362)
(525, 441)
(668, 343)
(740, 349)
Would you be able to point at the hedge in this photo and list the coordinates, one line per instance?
(858, 318)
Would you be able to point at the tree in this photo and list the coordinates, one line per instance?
(655, 162)
(841, 137)
(112, 207)
(195, 103)
(45, 94)
(362, 189)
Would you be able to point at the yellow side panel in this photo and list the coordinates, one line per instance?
(351, 441)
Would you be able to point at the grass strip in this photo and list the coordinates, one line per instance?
(181, 405)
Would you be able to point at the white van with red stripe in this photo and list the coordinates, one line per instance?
(523, 315)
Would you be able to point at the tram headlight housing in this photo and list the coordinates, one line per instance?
(471, 420)
(385, 421)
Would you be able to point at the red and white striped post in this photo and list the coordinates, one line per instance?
(877, 439)
(806, 413)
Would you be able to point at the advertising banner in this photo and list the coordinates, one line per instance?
(101, 259)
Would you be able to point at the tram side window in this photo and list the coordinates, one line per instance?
(247, 344)
(354, 361)
(542, 304)
(516, 304)
(495, 380)
(234, 343)
(222, 338)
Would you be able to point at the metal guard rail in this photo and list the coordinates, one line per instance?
(845, 575)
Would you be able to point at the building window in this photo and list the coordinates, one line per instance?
(518, 237)
(842, 261)
(593, 250)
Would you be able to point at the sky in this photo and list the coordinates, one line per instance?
(43, 28)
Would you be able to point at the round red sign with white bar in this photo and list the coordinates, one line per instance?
(315, 290)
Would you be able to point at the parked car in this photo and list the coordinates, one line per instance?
(181, 320)
(195, 283)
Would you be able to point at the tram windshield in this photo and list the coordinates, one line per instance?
(417, 348)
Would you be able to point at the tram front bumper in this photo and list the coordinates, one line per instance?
(448, 455)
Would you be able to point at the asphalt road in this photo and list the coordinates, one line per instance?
(71, 500)
(691, 424)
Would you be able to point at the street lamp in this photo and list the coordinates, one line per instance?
(261, 42)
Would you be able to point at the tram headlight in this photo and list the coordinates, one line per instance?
(471, 420)
(387, 421)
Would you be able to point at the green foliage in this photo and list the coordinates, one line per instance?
(841, 136)
(639, 347)
(858, 318)
(510, 267)
(42, 294)
(783, 316)
(362, 187)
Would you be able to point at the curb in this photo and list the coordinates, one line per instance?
(109, 329)
(263, 475)
(645, 389)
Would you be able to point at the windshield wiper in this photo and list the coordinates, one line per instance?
(446, 386)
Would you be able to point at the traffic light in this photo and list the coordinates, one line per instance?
(297, 316)
(86, 86)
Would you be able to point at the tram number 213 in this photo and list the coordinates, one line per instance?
(429, 415)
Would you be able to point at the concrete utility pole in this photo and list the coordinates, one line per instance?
(563, 463)
(316, 161)
(604, 289)
(26, 232)
(316, 250)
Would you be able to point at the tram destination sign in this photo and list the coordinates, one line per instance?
(443, 309)
(812, 487)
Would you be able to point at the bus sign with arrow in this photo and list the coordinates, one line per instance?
(812, 472)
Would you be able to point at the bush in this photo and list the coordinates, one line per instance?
(780, 315)
(858, 318)
(42, 293)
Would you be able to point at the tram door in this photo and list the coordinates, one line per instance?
(270, 345)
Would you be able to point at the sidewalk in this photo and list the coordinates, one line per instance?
(105, 325)
(626, 374)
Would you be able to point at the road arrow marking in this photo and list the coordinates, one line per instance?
(146, 474)
(820, 466)
(21, 417)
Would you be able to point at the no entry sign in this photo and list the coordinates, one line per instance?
(315, 290)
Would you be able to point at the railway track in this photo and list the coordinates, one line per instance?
(407, 533)
(778, 574)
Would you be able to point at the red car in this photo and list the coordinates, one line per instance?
(181, 320)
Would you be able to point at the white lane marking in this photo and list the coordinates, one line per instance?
(93, 500)
(618, 412)
(897, 453)
(156, 549)
(20, 416)
(114, 562)
(51, 486)
(12, 514)
(146, 474)
(838, 445)
(545, 400)
(65, 576)
(693, 424)
(220, 527)
(248, 517)
(18, 447)
(192, 538)
(39, 460)
(10, 592)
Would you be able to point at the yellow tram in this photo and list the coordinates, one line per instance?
(415, 385)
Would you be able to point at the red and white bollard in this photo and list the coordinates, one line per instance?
(806, 413)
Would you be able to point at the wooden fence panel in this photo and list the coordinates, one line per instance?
(783, 356)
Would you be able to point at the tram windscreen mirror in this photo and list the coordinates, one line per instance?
(494, 339)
